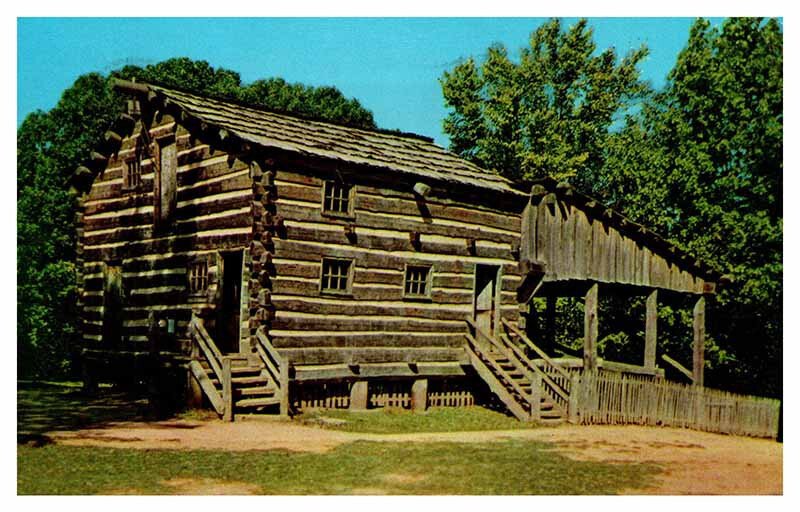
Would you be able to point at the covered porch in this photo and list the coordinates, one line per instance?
(574, 249)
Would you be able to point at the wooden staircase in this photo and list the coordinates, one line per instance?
(237, 383)
(531, 390)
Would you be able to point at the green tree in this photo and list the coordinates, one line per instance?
(702, 163)
(50, 145)
(548, 114)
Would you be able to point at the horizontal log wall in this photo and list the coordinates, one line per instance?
(214, 212)
(374, 323)
(576, 245)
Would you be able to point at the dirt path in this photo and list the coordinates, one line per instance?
(694, 462)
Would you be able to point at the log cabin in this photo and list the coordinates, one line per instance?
(261, 262)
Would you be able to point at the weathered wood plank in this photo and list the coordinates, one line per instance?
(315, 322)
(344, 306)
(698, 341)
(378, 370)
(391, 241)
(208, 388)
(372, 355)
(590, 328)
(651, 330)
(365, 257)
(331, 338)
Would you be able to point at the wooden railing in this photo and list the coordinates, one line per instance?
(276, 369)
(220, 366)
(558, 382)
(615, 398)
(486, 366)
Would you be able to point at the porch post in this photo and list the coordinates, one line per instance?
(651, 330)
(699, 339)
(590, 330)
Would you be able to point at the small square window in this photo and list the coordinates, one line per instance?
(336, 276)
(198, 277)
(132, 169)
(418, 281)
(337, 198)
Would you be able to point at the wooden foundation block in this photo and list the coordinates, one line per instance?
(358, 396)
(419, 395)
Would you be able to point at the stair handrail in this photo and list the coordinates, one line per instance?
(220, 366)
(277, 368)
(206, 344)
(557, 389)
(536, 349)
(497, 367)
(269, 356)
(521, 357)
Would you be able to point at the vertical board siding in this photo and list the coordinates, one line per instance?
(578, 245)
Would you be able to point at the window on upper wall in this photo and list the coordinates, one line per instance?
(417, 282)
(132, 169)
(198, 277)
(337, 198)
(336, 276)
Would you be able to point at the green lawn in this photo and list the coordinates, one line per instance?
(399, 421)
(510, 467)
(506, 467)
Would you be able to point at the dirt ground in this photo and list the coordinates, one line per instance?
(695, 462)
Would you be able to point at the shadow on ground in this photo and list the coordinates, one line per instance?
(44, 407)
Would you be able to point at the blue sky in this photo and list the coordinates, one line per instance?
(391, 65)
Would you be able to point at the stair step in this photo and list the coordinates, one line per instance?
(256, 391)
(234, 369)
(552, 422)
(257, 402)
(243, 381)
(245, 369)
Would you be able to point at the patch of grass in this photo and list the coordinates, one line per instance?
(510, 467)
(399, 421)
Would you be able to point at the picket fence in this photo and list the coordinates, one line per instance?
(611, 398)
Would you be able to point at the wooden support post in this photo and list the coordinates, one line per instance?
(590, 330)
(358, 396)
(651, 330)
(419, 395)
(284, 377)
(574, 394)
(550, 323)
(699, 340)
(535, 399)
(227, 389)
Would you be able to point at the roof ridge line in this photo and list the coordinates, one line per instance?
(274, 111)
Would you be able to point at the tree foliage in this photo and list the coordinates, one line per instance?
(49, 147)
(703, 163)
(699, 161)
(549, 113)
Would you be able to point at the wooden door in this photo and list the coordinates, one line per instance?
(228, 324)
(485, 300)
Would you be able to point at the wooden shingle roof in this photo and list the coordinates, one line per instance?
(414, 156)
(396, 152)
